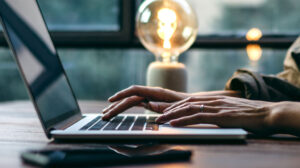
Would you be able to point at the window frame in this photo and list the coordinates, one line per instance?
(99, 38)
(126, 38)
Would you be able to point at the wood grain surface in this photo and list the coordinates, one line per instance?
(20, 130)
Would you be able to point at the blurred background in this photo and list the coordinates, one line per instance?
(97, 44)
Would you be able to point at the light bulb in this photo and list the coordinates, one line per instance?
(254, 34)
(166, 28)
(254, 51)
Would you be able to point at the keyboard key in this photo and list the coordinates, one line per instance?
(151, 125)
(85, 127)
(99, 125)
(139, 123)
(151, 119)
(126, 123)
(113, 124)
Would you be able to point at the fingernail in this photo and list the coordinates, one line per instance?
(103, 110)
(173, 123)
(109, 99)
(108, 107)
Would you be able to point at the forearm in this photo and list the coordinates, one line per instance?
(285, 118)
(231, 93)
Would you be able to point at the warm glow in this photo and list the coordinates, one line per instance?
(254, 52)
(166, 28)
(253, 34)
(166, 25)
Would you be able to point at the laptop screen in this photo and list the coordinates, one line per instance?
(38, 61)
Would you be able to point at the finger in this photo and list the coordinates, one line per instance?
(177, 107)
(122, 106)
(150, 93)
(186, 111)
(205, 118)
(205, 103)
(156, 106)
(177, 104)
(209, 99)
(131, 91)
(105, 110)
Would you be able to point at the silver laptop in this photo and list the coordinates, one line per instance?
(53, 98)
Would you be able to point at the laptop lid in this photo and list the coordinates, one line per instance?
(38, 62)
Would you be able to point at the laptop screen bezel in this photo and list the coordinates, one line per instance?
(50, 124)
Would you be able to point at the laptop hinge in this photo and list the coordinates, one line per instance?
(67, 123)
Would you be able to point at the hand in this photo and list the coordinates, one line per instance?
(224, 111)
(152, 98)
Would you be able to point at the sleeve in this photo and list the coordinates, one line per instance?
(283, 87)
(291, 71)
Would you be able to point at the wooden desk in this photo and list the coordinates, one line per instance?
(20, 130)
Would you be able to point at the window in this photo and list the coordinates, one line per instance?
(101, 55)
(87, 15)
(98, 73)
(224, 23)
(238, 16)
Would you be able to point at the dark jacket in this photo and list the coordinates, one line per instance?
(284, 86)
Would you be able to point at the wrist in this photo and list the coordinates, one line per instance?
(284, 118)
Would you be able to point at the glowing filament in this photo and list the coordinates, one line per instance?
(166, 26)
(253, 34)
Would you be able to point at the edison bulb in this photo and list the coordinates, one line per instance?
(166, 27)
(254, 34)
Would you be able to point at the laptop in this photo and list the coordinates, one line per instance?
(54, 100)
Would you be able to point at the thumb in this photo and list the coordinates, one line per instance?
(158, 107)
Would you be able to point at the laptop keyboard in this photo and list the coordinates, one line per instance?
(90, 123)
(139, 123)
(126, 124)
(123, 123)
(98, 125)
(113, 124)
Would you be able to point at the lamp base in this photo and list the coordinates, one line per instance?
(167, 75)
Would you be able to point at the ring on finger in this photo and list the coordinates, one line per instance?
(202, 108)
